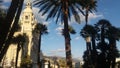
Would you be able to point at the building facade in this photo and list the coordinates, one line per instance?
(30, 48)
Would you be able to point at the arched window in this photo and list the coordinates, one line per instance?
(26, 17)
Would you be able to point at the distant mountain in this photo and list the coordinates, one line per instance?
(60, 57)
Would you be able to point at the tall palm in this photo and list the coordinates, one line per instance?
(2, 18)
(88, 32)
(13, 13)
(108, 32)
(113, 34)
(88, 6)
(102, 27)
(62, 9)
(9, 18)
(41, 29)
(19, 40)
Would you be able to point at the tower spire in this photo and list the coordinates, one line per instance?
(28, 4)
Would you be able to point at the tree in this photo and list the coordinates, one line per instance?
(71, 30)
(2, 18)
(41, 29)
(62, 63)
(19, 40)
(89, 6)
(102, 27)
(62, 9)
(108, 48)
(113, 35)
(90, 55)
(13, 15)
(26, 62)
(101, 44)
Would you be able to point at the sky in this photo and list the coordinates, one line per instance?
(53, 43)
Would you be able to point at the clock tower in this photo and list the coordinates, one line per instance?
(28, 23)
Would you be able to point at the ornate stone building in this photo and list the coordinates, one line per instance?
(30, 48)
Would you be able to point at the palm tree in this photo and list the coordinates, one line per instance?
(13, 13)
(88, 32)
(9, 18)
(71, 30)
(62, 9)
(2, 18)
(102, 27)
(88, 5)
(108, 49)
(62, 63)
(41, 29)
(19, 40)
(113, 34)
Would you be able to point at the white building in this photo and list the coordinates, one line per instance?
(30, 48)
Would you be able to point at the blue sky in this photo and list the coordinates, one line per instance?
(53, 43)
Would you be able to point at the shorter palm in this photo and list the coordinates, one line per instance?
(40, 29)
(19, 40)
(71, 30)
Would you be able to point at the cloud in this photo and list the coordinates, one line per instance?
(59, 30)
(57, 50)
(94, 16)
(77, 38)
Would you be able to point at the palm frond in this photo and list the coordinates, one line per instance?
(75, 13)
(53, 8)
(72, 30)
(55, 11)
(58, 14)
(78, 7)
(41, 29)
(42, 7)
(46, 9)
(39, 2)
(69, 15)
(51, 12)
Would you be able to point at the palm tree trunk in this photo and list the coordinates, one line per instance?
(39, 48)
(102, 34)
(93, 43)
(86, 16)
(17, 53)
(8, 21)
(67, 35)
(94, 51)
(113, 55)
(4, 50)
(68, 49)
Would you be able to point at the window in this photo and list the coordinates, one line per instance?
(26, 17)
